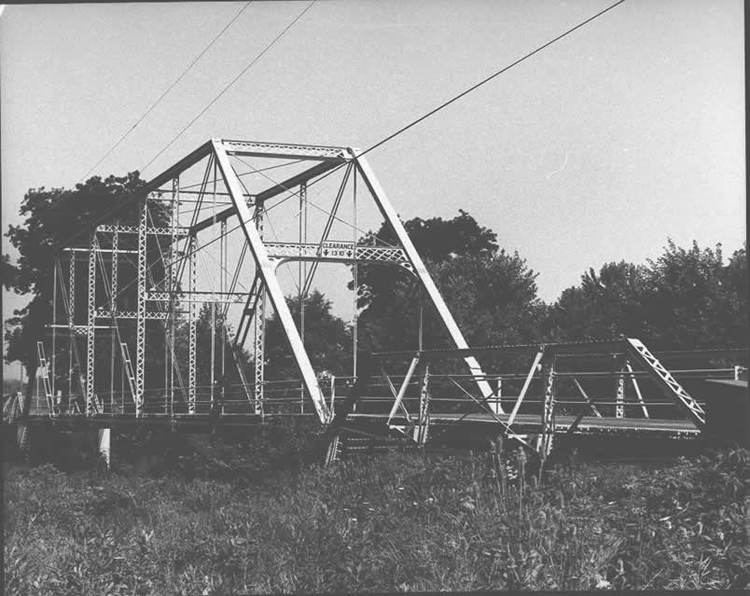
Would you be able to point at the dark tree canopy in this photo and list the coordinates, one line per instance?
(605, 305)
(492, 294)
(695, 299)
(51, 218)
(684, 299)
(327, 340)
(438, 239)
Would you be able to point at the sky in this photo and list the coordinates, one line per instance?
(626, 133)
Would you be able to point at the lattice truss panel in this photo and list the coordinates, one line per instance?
(181, 283)
(539, 391)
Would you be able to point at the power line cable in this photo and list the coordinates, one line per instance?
(491, 77)
(168, 89)
(406, 127)
(253, 171)
(455, 98)
(294, 193)
(231, 83)
(469, 90)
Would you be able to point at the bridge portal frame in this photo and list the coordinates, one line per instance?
(249, 212)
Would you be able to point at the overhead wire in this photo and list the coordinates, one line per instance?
(445, 104)
(293, 193)
(486, 80)
(231, 83)
(397, 132)
(242, 174)
(168, 89)
(465, 92)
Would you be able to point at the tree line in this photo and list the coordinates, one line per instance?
(687, 297)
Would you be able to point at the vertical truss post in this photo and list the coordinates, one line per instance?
(90, 327)
(620, 398)
(548, 414)
(223, 288)
(213, 355)
(140, 324)
(113, 308)
(259, 351)
(71, 318)
(115, 269)
(391, 217)
(424, 408)
(212, 376)
(637, 388)
(192, 318)
(171, 273)
(260, 327)
(302, 278)
(495, 404)
(355, 277)
(54, 323)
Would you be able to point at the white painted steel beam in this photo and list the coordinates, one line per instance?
(390, 215)
(525, 388)
(281, 150)
(273, 289)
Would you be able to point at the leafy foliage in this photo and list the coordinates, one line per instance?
(695, 300)
(604, 305)
(686, 298)
(52, 217)
(400, 523)
(327, 340)
(492, 294)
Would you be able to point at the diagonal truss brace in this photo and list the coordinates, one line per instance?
(667, 383)
(266, 269)
(390, 215)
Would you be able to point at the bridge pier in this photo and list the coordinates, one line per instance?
(104, 446)
(332, 453)
(23, 440)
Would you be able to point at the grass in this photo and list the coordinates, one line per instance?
(402, 522)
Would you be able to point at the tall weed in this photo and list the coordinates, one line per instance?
(397, 522)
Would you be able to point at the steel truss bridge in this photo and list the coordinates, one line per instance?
(198, 253)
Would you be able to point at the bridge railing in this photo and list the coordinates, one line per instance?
(589, 379)
(611, 380)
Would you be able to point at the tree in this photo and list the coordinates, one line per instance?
(52, 217)
(492, 294)
(604, 306)
(684, 299)
(230, 382)
(694, 300)
(327, 340)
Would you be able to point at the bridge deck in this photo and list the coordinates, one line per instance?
(532, 423)
(524, 423)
